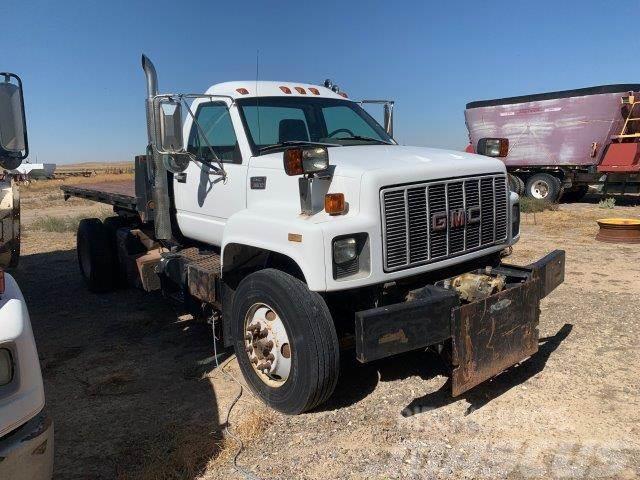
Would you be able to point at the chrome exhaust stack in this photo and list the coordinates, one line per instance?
(157, 177)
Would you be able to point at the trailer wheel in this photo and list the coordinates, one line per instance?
(543, 187)
(285, 341)
(521, 187)
(96, 256)
(516, 184)
(575, 194)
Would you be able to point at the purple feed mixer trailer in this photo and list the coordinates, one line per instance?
(556, 144)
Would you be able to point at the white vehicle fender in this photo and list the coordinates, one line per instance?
(281, 232)
(23, 398)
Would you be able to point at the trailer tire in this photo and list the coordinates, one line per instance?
(543, 186)
(96, 257)
(516, 184)
(312, 353)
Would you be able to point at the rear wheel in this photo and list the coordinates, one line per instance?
(96, 256)
(543, 186)
(285, 341)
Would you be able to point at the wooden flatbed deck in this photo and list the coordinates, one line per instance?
(117, 193)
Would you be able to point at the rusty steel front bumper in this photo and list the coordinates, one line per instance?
(487, 336)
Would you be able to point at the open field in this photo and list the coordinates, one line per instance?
(134, 392)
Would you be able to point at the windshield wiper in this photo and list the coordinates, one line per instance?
(289, 143)
(366, 139)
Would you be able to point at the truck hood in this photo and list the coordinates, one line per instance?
(398, 164)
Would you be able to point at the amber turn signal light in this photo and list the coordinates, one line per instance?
(293, 161)
(334, 203)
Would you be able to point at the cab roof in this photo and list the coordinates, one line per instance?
(251, 88)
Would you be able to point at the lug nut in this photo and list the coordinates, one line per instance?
(269, 345)
(263, 333)
(270, 357)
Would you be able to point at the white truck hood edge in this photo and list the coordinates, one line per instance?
(395, 163)
(417, 163)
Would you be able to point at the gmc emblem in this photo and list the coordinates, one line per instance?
(457, 218)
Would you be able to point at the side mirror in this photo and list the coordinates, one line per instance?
(305, 161)
(169, 126)
(493, 147)
(14, 146)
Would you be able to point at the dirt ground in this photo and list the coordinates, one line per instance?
(134, 392)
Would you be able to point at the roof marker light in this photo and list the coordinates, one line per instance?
(286, 90)
(242, 91)
(343, 94)
(315, 91)
(301, 90)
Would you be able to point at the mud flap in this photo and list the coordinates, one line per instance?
(491, 335)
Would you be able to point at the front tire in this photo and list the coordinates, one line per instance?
(271, 308)
(543, 186)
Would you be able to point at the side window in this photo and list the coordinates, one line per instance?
(215, 123)
(270, 125)
(343, 118)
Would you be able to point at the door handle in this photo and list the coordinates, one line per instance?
(181, 177)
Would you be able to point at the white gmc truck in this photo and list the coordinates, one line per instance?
(286, 214)
(26, 431)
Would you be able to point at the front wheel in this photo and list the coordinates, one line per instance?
(543, 186)
(285, 341)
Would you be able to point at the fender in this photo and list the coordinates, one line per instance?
(282, 232)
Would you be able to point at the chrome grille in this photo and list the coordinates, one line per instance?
(411, 238)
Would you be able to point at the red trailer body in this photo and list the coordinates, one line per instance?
(563, 139)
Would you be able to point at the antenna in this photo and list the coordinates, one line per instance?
(259, 142)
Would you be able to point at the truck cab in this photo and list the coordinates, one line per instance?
(26, 430)
(249, 125)
(301, 228)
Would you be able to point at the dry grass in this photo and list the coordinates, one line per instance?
(187, 451)
(68, 223)
(534, 205)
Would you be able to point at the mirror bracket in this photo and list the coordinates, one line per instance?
(167, 121)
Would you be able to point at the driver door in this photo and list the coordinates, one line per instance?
(203, 200)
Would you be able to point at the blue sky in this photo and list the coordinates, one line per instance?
(80, 60)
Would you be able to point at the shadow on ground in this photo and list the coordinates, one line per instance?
(621, 200)
(484, 393)
(124, 378)
(358, 381)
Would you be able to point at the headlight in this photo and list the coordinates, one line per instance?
(515, 220)
(345, 250)
(6, 367)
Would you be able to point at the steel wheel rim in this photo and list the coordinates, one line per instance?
(540, 189)
(267, 345)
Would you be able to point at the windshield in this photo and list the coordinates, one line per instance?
(272, 121)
